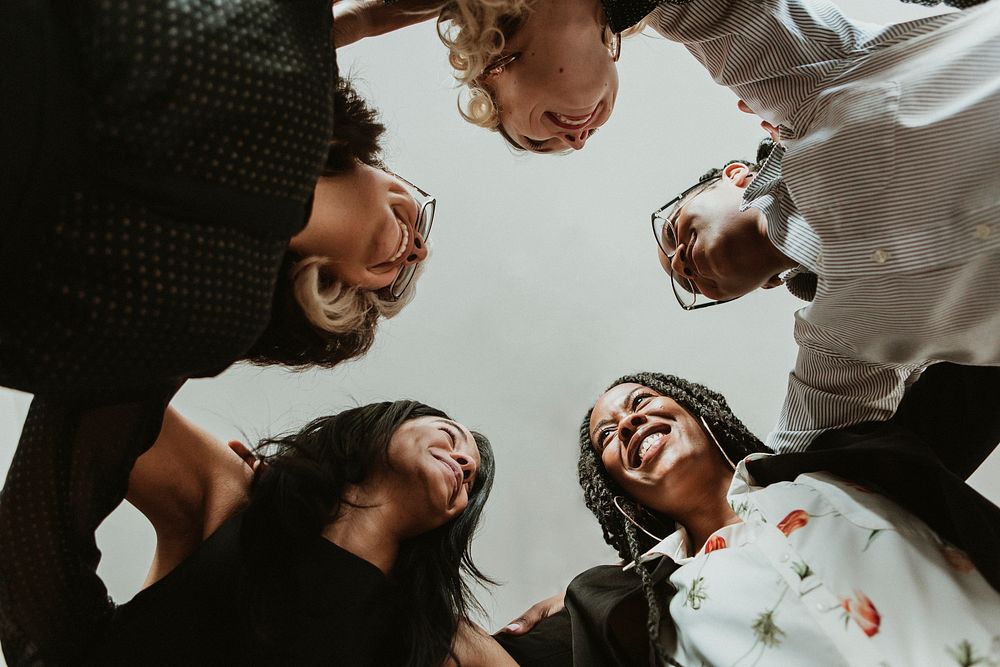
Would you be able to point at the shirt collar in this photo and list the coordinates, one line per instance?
(786, 227)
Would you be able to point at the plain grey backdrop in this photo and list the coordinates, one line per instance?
(542, 287)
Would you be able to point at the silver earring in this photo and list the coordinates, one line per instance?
(708, 429)
(632, 521)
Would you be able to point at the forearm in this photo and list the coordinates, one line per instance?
(827, 391)
(474, 648)
(774, 54)
(354, 20)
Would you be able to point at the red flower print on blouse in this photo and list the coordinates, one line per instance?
(793, 522)
(715, 543)
(861, 610)
(957, 559)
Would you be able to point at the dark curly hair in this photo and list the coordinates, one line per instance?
(600, 491)
(289, 338)
(300, 491)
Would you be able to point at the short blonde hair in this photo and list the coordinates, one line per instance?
(475, 32)
(335, 307)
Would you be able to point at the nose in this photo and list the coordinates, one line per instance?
(679, 262)
(417, 251)
(466, 463)
(628, 426)
(575, 140)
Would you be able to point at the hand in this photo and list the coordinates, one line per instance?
(537, 612)
(353, 20)
(770, 129)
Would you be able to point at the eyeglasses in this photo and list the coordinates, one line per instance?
(425, 218)
(665, 231)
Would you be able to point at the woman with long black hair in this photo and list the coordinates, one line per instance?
(343, 543)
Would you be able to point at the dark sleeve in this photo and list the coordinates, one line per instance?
(603, 624)
(956, 410)
(548, 644)
(69, 472)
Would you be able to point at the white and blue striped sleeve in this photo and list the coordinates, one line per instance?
(829, 391)
(774, 54)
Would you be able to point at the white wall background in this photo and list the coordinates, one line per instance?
(542, 288)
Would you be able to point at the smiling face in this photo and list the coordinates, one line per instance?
(432, 467)
(725, 252)
(362, 221)
(657, 451)
(564, 82)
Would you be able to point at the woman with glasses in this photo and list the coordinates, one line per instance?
(344, 543)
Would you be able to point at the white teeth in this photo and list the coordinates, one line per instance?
(403, 243)
(648, 442)
(569, 121)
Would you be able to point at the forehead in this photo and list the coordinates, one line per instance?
(464, 441)
(614, 401)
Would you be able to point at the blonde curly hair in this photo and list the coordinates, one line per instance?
(475, 32)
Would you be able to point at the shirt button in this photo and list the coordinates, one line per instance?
(983, 232)
(784, 558)
(880, 256)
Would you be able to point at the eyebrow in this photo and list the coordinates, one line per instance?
(606, 422)
(453, 430)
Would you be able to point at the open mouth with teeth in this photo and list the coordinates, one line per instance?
(404, 242)
(571, 122)
(641, 450)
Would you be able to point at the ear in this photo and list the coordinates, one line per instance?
(773, 281)
(244, 453)
(738, 173)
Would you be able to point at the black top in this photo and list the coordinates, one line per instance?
(203, 612)
(159, 161)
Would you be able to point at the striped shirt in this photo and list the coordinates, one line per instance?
(886, 185)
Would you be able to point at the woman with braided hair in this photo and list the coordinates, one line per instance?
(790, 573)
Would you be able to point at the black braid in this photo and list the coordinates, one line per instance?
(652, 601)
(599, 490)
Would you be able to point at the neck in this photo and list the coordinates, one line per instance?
(709, 515)
(365, 533)
(779, 261)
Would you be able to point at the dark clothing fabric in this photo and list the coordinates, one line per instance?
(69, 472)
(157, 159)
(342, 614)
(603, 624)
(163, 156)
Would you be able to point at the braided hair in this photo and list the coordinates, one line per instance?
(600, 492)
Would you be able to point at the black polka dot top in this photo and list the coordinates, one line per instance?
(169, 151)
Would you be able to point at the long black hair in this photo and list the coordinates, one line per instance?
(298, 492)
(600, 491)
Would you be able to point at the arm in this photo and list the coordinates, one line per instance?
(774, 54)
(187, 484)
(354, 20)
(829, 391)
(474, 648)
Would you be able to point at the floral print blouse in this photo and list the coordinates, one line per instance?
(823, 572)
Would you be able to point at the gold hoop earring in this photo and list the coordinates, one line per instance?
(632, 521)
(708, 429)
